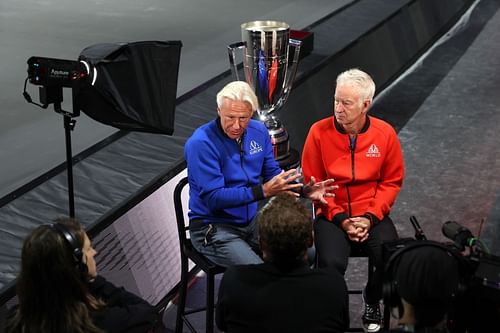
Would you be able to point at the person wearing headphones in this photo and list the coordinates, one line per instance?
(421, 287)
(59, 289)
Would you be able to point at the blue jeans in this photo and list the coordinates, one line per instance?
(226, 244)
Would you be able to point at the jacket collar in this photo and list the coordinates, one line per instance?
(298, 268)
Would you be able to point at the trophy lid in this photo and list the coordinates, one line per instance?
(265, 26)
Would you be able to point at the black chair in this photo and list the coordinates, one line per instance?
(189, 253)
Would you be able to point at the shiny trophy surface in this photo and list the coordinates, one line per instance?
(270, 71)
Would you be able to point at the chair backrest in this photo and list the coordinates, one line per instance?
(182, 228)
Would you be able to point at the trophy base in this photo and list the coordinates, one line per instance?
(291, 161)
(281, 149)
(279, 138)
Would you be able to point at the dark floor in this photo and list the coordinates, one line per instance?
(451, 142)
(355, 274)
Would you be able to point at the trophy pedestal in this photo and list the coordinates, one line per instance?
(279, 137)
(291, 161)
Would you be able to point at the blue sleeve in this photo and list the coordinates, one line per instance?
(207, 179)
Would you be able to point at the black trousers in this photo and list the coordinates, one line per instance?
(334, 247)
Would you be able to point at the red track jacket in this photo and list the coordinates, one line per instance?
(369, 175)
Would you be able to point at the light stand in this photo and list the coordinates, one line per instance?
(52, 75)
(54, 95)
(69, 125)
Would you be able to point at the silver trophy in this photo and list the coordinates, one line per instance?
(269, 71)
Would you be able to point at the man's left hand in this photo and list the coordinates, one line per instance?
(317, 191)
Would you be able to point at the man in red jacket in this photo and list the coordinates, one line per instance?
(364, 156)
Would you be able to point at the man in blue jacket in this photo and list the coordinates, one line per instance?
(231, 166)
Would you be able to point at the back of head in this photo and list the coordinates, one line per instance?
(360, 79)
(51, 289)
(427, 277)
(285, 229)
(238, 91)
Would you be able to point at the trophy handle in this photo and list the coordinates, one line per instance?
(231, 49)
(292, 69)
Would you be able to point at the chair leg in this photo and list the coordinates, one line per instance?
(210, 303)
(181, 305)
(387, 318)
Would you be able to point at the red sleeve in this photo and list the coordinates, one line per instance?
(391, 179)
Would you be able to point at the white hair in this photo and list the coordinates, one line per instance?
(237, 91)
(360, 79)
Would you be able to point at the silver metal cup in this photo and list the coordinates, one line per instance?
(269, 71)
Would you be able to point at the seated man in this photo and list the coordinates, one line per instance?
(283, 294)
(231, 166)
(364, 156)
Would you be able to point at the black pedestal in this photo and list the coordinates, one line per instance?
(290, 162)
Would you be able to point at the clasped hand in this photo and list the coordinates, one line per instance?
(357, 228)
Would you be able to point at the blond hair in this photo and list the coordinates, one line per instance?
(237, 91)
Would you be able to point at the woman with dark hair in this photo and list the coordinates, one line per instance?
(59, 289)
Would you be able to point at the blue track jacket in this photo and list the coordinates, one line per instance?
(224, 176)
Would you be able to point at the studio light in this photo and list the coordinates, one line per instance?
(56, 72)
(130, 86)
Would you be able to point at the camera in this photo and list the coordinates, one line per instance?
(476, 308)
(484, 276)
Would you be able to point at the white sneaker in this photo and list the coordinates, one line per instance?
(372, 318)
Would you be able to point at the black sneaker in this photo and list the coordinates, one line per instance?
(372, 318)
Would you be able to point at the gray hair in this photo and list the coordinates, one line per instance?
(238, 91)
(360, 79)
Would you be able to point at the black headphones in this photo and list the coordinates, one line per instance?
(389, 291)
(74, 245)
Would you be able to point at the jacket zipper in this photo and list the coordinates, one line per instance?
(240, 146)
(352, 148)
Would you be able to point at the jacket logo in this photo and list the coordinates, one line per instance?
(255, 147)
(373, 151)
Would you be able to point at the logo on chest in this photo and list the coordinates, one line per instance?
(255, 147)
(373, 151)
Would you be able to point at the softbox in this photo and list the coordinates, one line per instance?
(133, 86)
